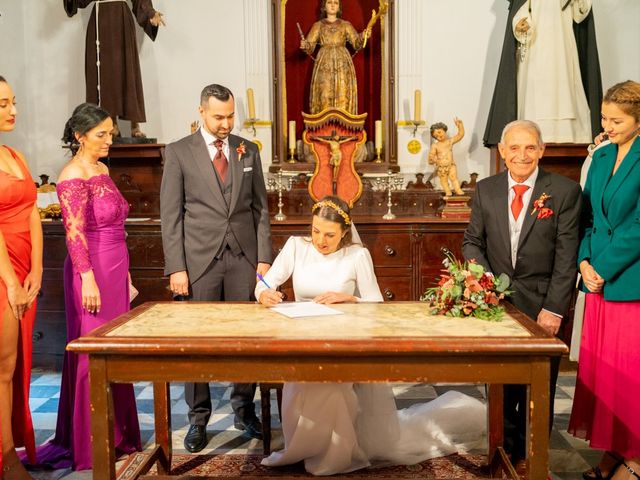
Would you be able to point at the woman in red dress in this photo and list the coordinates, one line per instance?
(20, 277)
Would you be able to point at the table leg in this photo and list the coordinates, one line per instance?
(162, 417)
(538, 431)
(495, 427)
(104, 456)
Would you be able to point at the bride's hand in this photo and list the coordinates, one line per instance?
(335, 297)
(270, 297)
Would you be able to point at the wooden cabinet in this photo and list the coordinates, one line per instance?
(405, 251)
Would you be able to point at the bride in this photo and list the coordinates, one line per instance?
(341, 427)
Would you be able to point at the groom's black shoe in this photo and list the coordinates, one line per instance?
(196, 438)
(250, 425)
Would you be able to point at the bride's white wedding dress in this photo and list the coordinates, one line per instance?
(341, 427)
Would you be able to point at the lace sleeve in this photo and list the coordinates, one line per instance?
(73, 195)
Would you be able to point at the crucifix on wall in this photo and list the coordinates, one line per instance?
(335, 142)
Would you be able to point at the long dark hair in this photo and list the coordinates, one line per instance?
(84, 117)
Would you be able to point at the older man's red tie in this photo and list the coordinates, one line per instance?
(516, 203)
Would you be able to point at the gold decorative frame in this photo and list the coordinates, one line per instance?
(387, 87)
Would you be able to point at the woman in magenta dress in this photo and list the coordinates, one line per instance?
(606, 406)
(96, 286)
(20, 277)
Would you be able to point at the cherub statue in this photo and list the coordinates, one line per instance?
(441, 155)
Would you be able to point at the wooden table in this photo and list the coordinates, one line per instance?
(244, 342)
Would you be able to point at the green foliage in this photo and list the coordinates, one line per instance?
(465, 289)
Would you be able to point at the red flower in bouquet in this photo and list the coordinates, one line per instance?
(465, 289)
(538, 206)
(486, 281)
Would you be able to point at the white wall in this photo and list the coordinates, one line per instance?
(457, 47)
(43, 59)
(450, 49)
(460, 42)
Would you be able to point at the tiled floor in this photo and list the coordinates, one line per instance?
(568, 456)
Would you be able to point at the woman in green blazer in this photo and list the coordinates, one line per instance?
(605, 406)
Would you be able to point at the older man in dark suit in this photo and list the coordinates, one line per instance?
(524, 223)
(215, 234)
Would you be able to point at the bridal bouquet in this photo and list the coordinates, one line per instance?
(465, 289)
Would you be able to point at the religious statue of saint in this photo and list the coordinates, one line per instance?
(549, 72)
(333, 82)
(334, 142)
(441, 155)
(112, 66)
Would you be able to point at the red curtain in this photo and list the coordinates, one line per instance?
(299, 66)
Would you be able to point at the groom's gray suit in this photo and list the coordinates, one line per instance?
(217, 232)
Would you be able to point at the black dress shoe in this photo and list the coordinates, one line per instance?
(196, 438)
(251, 426)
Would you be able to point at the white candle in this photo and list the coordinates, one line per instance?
(292, 134)
(417, 101)
(251, 103)
(378, 137)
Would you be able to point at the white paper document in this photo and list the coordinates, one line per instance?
(305, 309)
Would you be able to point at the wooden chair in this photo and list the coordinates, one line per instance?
(265, 400)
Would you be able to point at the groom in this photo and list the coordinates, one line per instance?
(524, 222)
(215, 234)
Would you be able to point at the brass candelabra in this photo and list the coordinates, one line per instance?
(278, 184)
(390, 183)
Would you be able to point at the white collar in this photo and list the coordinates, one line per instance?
(529, 182)
(209, 139)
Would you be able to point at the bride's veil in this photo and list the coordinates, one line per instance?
(355, 237)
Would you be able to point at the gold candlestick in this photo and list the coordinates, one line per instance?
(378, 155)
(416, 124)
(292, 155)
(250, 124)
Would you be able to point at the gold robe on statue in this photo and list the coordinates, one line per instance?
(333, 83)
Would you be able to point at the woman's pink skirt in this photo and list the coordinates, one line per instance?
(606, 406)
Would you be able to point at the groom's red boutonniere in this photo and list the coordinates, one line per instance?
(241, 150)
(538, 206)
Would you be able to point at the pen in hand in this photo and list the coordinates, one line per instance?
(261, 278)
(269, 297)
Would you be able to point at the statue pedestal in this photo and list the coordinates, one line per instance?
(456, 206)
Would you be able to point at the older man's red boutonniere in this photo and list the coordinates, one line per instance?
(538, 206)
(241, 150)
